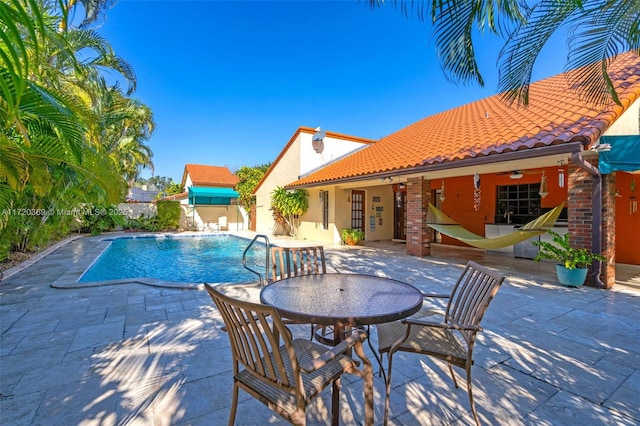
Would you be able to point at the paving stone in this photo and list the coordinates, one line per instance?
(567, 409)
(37, 379)
(139, 355)
(20, 410)
(87, 402)
(625, 399)
(95, 335)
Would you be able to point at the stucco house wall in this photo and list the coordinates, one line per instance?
(297, 159)
(628, 123)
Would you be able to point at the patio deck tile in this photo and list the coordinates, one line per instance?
(146, 355)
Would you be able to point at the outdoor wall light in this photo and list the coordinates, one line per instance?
(560, 174)
(601, 147)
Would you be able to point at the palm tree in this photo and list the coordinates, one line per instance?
(598, 31)
(92, 9)
(42, 119)
(120, 129)
(49, 114)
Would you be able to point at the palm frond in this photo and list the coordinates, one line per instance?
(14, 167)
(519, 54)
(454, 23)
(602, 32)
(598, 31)
(453, 26)
(7, 195)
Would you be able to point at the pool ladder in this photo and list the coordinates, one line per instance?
(267, 245)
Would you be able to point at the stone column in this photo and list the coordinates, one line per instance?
(419, 236)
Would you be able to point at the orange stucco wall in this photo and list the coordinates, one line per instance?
(627, 222)
(458, 204)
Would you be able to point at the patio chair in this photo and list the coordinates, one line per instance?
(285, 262)
(295, 261)
(451, 335)
(286, 377)
(289, 262)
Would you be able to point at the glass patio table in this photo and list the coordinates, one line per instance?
(342, 300)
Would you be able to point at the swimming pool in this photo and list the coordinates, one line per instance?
(196, 259)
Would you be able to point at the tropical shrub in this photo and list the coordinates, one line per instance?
(563, 254)
(142, 223)
(287, 207)
(168, 214)
(248, 180)
(97, 219)
(351, 236)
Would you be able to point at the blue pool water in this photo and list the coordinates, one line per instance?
(211, 259)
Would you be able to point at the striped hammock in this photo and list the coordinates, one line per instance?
(447, 226)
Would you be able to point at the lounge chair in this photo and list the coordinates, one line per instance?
(222, 224)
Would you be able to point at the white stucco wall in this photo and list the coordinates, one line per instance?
(333, 149)
(134, 210)
(628, 124)
(299, 159)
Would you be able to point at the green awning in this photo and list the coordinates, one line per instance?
(202, 195)
(624, 155)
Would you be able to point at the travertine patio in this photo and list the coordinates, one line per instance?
(146, 355)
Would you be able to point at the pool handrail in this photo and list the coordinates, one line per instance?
(267, 258)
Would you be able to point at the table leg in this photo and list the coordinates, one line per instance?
(375, 354)
(367, 375)
(335, 403)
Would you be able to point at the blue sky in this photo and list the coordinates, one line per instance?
(229, 82)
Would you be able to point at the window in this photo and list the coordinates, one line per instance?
(324, 199)
(517, 204)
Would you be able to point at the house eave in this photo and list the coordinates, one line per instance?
(500, 162)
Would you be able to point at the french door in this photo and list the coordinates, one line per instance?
(357, 210)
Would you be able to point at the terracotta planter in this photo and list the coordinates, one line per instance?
(571, 277)
(351, 242)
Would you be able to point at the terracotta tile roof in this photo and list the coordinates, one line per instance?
(202, 175)
(555, 115)
(176, 197)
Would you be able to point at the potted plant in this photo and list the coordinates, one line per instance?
(572, 263)
(351, 236)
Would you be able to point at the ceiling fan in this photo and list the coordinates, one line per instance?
(517, 174)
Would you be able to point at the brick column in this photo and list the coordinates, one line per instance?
(580, 196)
(419, 236)
(608, 270)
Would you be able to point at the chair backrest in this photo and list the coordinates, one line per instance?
(253, 338)
(222, 222)
(295, 261)
(472, 294)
